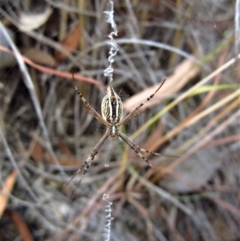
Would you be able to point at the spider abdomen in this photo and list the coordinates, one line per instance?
(112, 106)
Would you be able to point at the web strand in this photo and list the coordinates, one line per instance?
(108, 72)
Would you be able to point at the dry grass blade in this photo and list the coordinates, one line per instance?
(204, 140)
(6, 190)
(54, 71)
(70, 42)
(182, 75)
(22, 226)
(159, 191)
(29, 85)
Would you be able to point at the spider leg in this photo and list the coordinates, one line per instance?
(138, 113)
(153, 153)
(85, 166)
(132, 113)
(89, 108)
(134, 147)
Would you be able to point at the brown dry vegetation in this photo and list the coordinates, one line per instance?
(46, 134)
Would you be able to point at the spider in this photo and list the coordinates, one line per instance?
(112, 110)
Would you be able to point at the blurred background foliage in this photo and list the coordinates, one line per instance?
(46, 134)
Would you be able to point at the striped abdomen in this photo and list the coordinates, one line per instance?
(112, 106)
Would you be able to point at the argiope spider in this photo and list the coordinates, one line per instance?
(112, 110)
